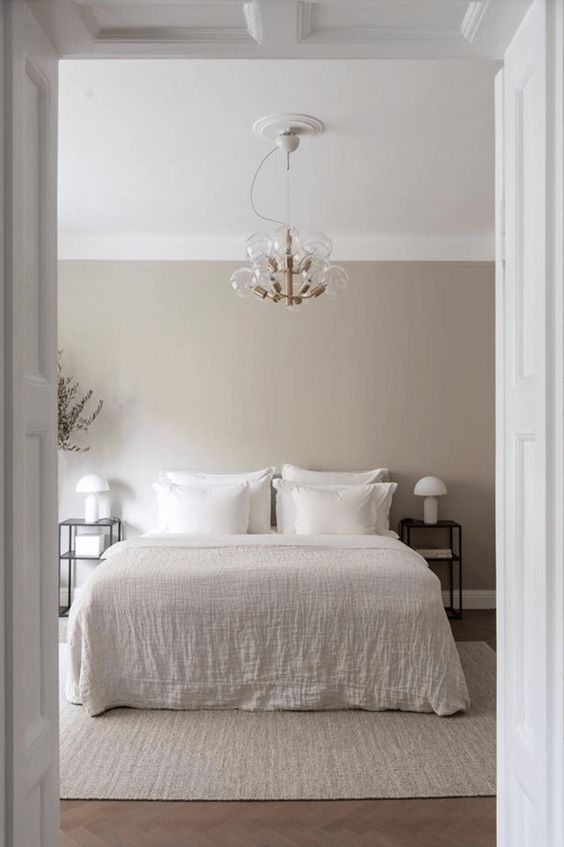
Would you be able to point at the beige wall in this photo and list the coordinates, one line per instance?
(399, 371)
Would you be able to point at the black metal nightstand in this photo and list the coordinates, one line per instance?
(115, 527)
(452, 554)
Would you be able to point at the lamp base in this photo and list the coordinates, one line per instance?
(430, 510)
(91, 511)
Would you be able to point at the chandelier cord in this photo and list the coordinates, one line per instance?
(253, 207)
(288, 190)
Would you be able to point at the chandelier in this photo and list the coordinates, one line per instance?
(284, 266)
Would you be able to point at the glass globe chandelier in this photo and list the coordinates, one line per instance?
(286, 267)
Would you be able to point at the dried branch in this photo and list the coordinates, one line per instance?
(72, 417)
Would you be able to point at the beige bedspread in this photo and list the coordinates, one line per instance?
(263, 622)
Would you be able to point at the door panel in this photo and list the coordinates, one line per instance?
(529, 613)
(31, 462)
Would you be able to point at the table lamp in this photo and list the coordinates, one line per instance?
(91, 484)
(430, 487)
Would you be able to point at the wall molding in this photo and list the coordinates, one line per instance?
(474, 598)
(309, 29)
(288, 30)
(473, 18)
(396, 247)
(175, 34)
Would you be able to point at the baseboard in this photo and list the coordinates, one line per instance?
(473, 598)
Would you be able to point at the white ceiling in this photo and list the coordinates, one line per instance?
(156, 157)
(282, 28)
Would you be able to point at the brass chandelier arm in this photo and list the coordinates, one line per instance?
(315, 292)
(272, 266)
(293, 299)
(289, 269)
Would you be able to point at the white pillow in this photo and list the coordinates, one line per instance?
(259, 490)
(381, 502)
(291, 473)
(206, 510)
(236, 476)
(334, 511)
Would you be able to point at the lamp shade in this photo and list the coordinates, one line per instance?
(430, 486)
(92, 483)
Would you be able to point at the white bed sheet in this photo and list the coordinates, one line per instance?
(263, 622)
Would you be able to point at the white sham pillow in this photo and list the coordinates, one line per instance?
(203, 510)
(209, 476)
(329, 510)
(260, 490)
(292, 473)
(285, 508)
(381, 502)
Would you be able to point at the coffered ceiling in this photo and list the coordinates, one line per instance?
(156, 156)
(282, 28)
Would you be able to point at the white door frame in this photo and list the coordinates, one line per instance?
(29, 385)
(553, 490)
(530, 432)
(554, 352)
(3, 446)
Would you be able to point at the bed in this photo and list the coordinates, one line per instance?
(263, 622)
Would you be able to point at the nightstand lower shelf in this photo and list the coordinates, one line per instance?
(111, 526)
(452, 557)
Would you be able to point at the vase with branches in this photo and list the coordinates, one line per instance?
(72, 414)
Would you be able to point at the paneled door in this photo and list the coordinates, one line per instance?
(31, 602)
(529, 435)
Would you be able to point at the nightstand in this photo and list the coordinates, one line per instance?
(435, 556)
(114, 532)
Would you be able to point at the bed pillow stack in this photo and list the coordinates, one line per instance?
(334, 502)
(307, 503)
(224, 504)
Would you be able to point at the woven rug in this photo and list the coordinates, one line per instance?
(128, 754)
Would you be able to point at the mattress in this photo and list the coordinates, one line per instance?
(263, 622)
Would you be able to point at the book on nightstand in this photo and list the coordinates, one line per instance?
(89, 544)
(435, 553)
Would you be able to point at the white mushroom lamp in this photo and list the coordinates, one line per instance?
(91, 484)
(430, 487)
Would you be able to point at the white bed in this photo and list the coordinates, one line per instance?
(263, 622)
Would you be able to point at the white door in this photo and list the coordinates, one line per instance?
(30, 131)
(529, 438)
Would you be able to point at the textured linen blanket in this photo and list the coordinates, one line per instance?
(263, 622)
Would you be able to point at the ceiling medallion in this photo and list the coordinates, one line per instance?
(285, 267)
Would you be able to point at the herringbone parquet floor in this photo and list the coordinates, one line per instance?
(461, 822)
(345, 823)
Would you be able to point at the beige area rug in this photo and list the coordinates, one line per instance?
(128, 754)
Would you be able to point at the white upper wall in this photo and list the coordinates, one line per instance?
(156, 157)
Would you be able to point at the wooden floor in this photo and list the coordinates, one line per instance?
(462, 822)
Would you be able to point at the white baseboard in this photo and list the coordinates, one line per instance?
(473, 598)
